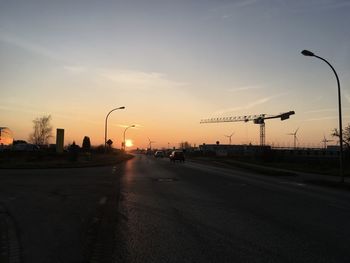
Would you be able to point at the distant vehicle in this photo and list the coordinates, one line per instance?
(177, 155)
(159, 154)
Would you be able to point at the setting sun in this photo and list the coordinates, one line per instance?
(128, 143)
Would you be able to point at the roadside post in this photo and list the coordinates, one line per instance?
(59, 140)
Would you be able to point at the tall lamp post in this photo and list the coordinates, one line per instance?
(131, 126)
(311, 54)
(119, 108)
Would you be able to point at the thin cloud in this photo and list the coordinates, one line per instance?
(127, 79)
(316, 99)
(75, 69)
(23, 110)
(335, 117)
(226, 16)
(247, 106)
(303, 6)
(224, 11)
(326, 118)
(27, 109)
(237, 4)
(241, 3)
(245, 3)
(254, 87)
(320, 110)
(326, 110)
(29, 46)
(138, 79)
(322, 118)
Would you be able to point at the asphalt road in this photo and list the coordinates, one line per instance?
(57, 215)
(152, 210)
(195, 213)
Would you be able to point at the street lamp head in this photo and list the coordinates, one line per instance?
(121, 108)
(307, 53)
(132, 126)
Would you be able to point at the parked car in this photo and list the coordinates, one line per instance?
(159, 154)
(177, 155)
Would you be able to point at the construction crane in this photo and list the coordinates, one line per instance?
(257, 119)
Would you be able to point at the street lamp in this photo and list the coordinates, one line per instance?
(131, 126)
(310, 54)
(119, 108)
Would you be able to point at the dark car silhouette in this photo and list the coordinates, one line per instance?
(159, 154)
(177, 155)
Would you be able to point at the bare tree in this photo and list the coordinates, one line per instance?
(346, 135)
(42, 130)
(185, 145)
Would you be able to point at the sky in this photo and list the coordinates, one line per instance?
(171, 64)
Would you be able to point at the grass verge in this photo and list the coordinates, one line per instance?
(61, 161)
(274, 168)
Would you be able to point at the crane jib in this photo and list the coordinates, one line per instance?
(257, 119)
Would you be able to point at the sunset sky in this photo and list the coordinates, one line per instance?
(171, 64)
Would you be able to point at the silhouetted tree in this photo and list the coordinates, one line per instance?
(185, 145)
(86, 144)
(346, 135)
(42, 130)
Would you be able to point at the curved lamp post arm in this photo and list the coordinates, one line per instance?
(119, 108)
(335, 73)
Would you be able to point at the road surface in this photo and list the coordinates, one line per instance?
(152, 210)
(193, 213)
(56, 215)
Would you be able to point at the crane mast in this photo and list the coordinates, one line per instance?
(257, 119)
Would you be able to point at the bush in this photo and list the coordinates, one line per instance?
(86, 144)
